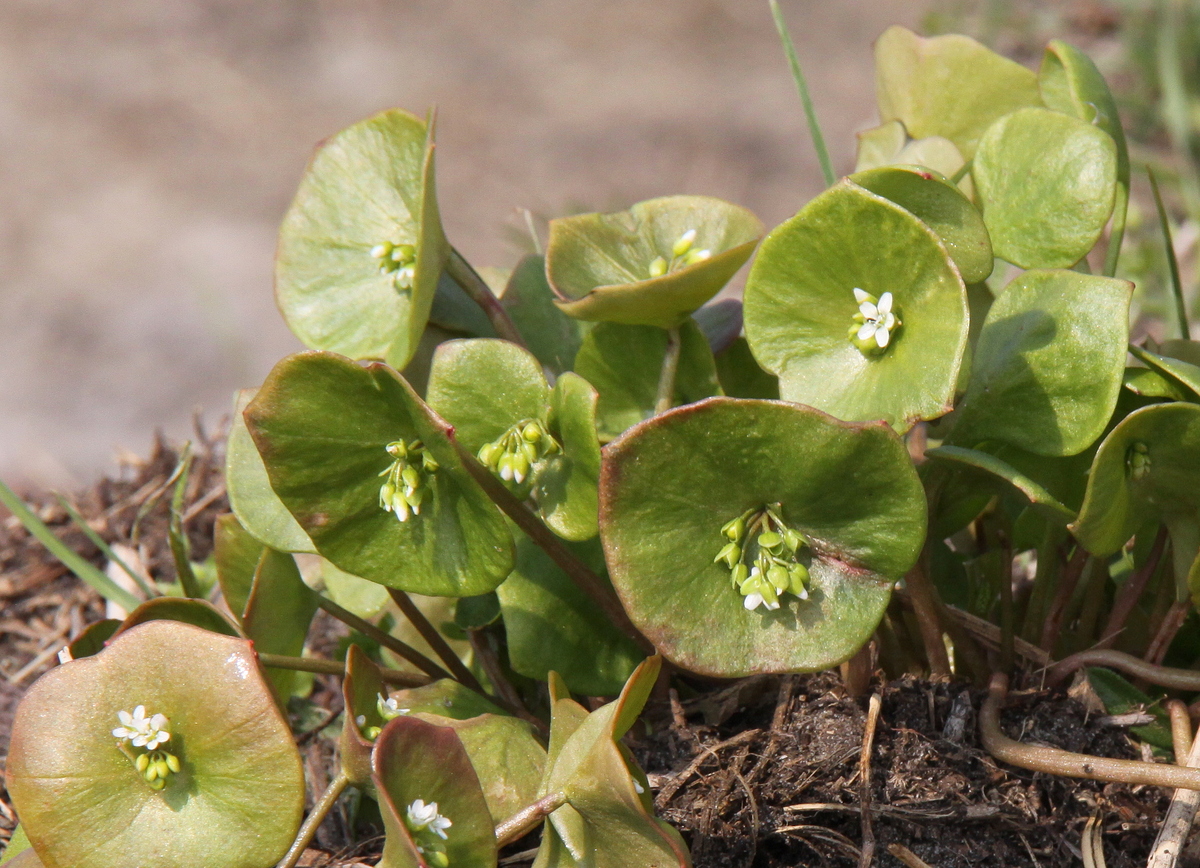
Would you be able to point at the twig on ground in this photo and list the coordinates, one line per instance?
(864, 780)
(907, 856)
(1180, 814)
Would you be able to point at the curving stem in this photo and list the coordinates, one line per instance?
(314, 819)
(479, 292)
(1163, 676)
(525, 819)
(1063, 762)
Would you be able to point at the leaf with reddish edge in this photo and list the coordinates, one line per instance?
(418, 760)
(198, 613)
(235, 803)
(669, 485)
(361, 689)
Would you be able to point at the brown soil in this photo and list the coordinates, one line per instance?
(763, 772)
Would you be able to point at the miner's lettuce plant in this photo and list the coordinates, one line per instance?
(522, 489)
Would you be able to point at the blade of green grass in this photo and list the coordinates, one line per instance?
(76, 563)
(810, 113)
(1172, 262)
(180, 550)
(105, 549)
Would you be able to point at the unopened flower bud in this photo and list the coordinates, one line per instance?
(658, 267)
(684, 243)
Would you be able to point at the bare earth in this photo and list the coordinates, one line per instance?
(151, 148)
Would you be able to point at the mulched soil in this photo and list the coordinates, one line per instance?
(764, 772)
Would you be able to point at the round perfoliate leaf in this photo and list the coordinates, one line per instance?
(949, 86)
(1046, 182)
(324, 426)
(802, 310)
(651, 265)
(672, 487)
(237, 797)
(888, 145)
(1048, 367)
(942, 207)
(362, 247)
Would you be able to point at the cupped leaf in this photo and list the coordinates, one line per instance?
(549, 333)
(1185, 374)
(323, 424)
(623, 363)
(237, 799)
(251, 497)
(651, 265)
(942, 207)
(198, 613)
(504, 753)
(1046, 182)
(362, 690)
(565, 486)
(888, 145)
(1048, 367)
(551, 624)
(91, 641)
(413, 762)
(608, 820)
(236, 554)
(1151, 384)
(949, 86)
(670, 485)
(362, 247)
(446, 698)
(800, 306)
(1044, 501)
(1147, 467)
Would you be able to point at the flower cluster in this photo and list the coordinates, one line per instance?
(1137, 460)
(764, 557)
(428, 829)
(407, 478)
(513, 454)
(147, 732)
(875, 321)
(397, 260)
(388, 709)
(683, 254)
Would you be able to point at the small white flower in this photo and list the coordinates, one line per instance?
(143, 731)
(878, 320)
(422, 816)
(640, 789)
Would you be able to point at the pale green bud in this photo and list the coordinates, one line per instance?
(173, 762)
(489, 454)
(739, 574)
(730, 555)
(412, 479)
(379, 251)
(793, 539)
(142, 762)
(532, 432)
(157, 784)
(520, 466)
(697, 256)
(529, 450)
(397, 450)
(658, 267)
(428, 462)
(768, 539)
(798, 581)
(734, 529)
(505, 466)
(684, 244)
(778, 577)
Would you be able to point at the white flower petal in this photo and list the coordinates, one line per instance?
(885, 303)
(889, 321)
(882, 335)
(866, 330)
(868, 310)
(752, 601)
(860, 296)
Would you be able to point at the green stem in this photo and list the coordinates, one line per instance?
(523, 821)
(810, 113)
(434, 639)
(963, 170)
(409, 653)
(666, 378)
(332, 667)
(579, 572)
(319, 811)
(1172, 262)
(479, 292)
(1120, 215)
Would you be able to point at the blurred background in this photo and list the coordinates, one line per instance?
(151, 147)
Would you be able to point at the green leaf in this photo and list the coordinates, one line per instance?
(1046, 182)
(371, 184)
(363, 598)
(551, 624)
(484, 386)
(323, 424)
(475, 613)
(741, 376)
(1147, 467)
(197, 613)
(600, 264)
(1184, 350)
(504, 753)
(237, 554)
(1046, 502)
(607, 822)
(942, 207)
(721, 322)
(418, 760)
(623, 363)
(251, 497)
(93, 638)
(1184, 373)
(1048, 367)
(455, 311)
(1120, 697)
(669, 485)
(549, 333)
(947, 86)
(17, 844)
(565, 486)
(362, 689)
(800, 303)
(1152, 384)
(447, 698)
(238, 799)
(278, 612)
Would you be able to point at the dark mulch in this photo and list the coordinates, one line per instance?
(765, 772)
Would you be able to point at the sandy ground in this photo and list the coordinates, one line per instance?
(148, 149)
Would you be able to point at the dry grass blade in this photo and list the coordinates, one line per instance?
(1091, 844)
(907, 856)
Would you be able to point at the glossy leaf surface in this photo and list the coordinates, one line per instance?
(323, 424)
(670, 484)
(277, 615)
(800, 302)
(370, 185)
(1049, 363)
(600, 265)
(237, 801)
(1046, 182)
(1046, 502)
(949, 86)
